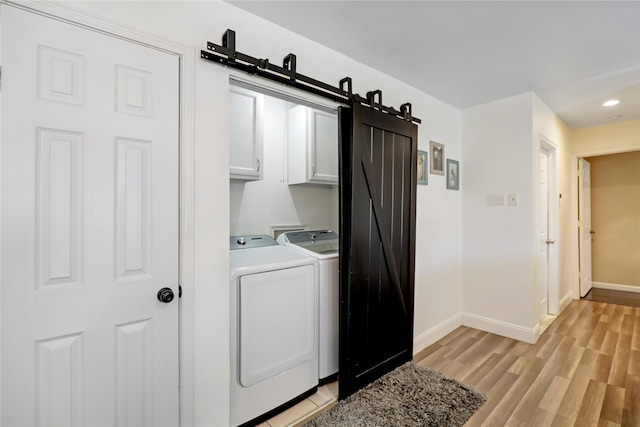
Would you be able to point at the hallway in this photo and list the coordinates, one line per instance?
(631, 299)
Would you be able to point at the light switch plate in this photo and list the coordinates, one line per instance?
(495, 199)
(512, 199)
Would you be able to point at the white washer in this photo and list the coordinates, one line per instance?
(325, 246)
(274, 323)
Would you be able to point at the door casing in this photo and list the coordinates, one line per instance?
(584, 219)
(545, 236)
(554, 200)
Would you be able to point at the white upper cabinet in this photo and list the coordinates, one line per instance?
(245, 133)
(312, 146)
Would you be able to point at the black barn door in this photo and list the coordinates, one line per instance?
(378, 154)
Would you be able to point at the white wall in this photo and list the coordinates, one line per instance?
(256, 205)
(500, 246)
(438, 280)
(497, 241)
(438, 271)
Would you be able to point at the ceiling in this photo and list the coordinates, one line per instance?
(573, 54)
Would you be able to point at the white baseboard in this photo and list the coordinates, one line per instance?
(615, 287)
(436, 333)
(565, 301)
(529, 335)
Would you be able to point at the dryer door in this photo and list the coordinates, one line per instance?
(278, 322)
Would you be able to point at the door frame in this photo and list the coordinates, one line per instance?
(584, 169)
(186, 145)
(553, 291)
(574, 249)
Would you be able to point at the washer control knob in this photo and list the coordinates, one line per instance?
(241, 241)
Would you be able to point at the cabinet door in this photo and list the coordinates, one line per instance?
(312, 146)
(245, 134)
(323, 146)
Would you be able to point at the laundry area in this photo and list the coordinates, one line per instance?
(283, 164)
(284, 211)
(128, 137)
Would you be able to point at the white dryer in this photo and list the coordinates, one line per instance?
(325, 246)
(274, 324)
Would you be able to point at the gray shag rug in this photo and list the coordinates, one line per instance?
(408, 396)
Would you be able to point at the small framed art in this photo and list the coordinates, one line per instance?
(453, 174)
(436, 166)
(423, 159)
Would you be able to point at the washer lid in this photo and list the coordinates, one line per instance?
(297, 237)
(318, 243)
(321, 247)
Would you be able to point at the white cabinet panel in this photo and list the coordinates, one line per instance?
(312, 146)
(245, 133)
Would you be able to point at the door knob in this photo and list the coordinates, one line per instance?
(549, 241)
(165, 295)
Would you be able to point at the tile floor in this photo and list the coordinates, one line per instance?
(324, 398)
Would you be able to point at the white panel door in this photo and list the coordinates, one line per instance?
(584, 211)
(545, 241)
(89, 229)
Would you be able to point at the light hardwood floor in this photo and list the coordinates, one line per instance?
(583, 371)
(615, 297)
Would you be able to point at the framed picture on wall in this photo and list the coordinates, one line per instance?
(453, 174)
(423, 159)
(436, 166)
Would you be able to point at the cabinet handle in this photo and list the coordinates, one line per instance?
(258, 170)
(313, 170)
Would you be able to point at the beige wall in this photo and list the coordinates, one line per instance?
(615, 212)
(606, 139)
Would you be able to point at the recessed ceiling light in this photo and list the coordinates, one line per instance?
(611, 103)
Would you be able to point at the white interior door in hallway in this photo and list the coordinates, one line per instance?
(89, 227)
(545, 241)
(584, 213)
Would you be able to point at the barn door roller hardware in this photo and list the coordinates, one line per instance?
(226, 54)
